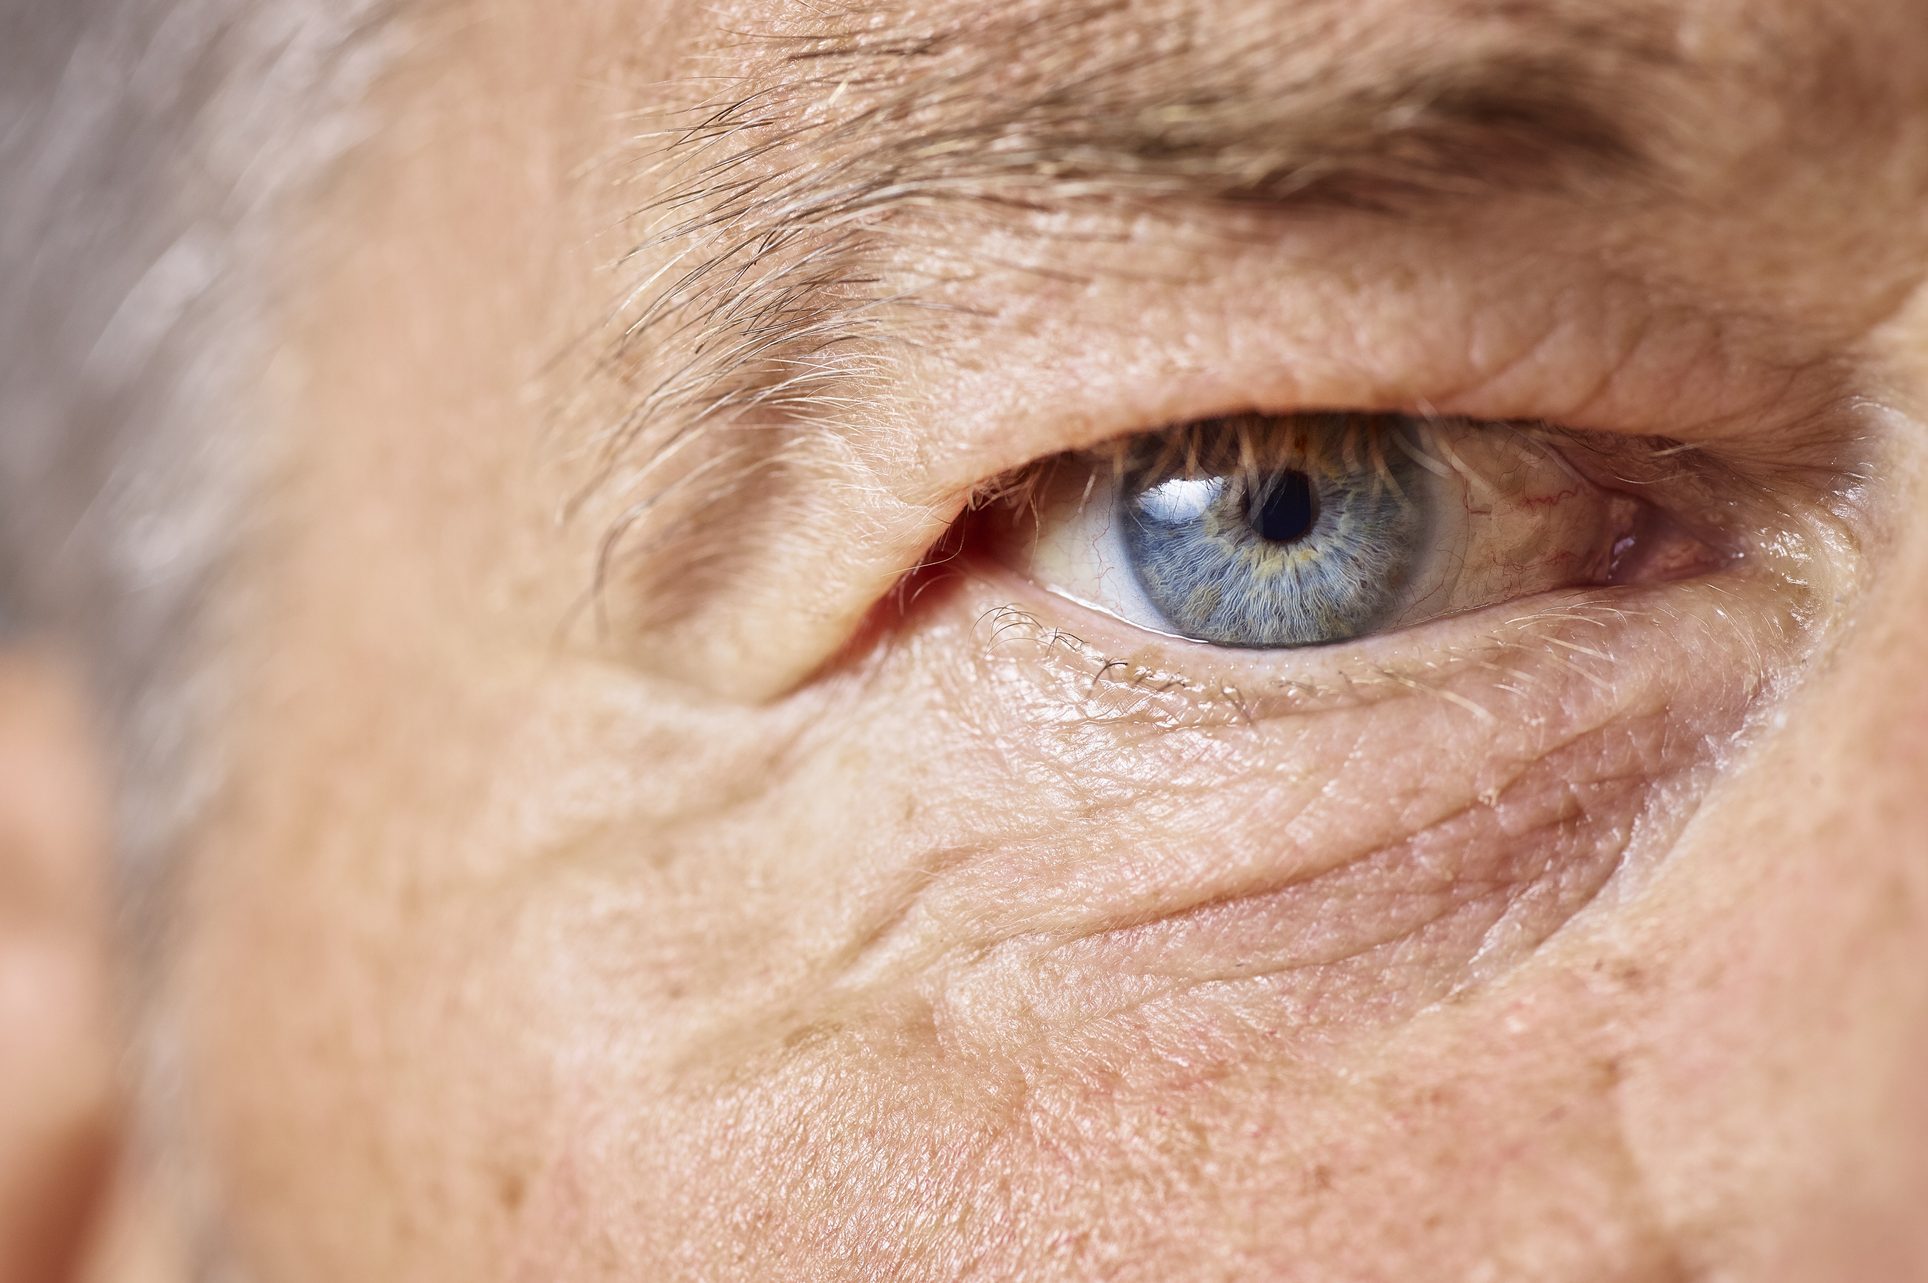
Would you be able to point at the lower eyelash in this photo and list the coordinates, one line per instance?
(1089, 685)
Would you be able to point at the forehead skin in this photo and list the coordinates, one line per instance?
(519, 949)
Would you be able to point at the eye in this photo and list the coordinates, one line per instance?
(1268, 532)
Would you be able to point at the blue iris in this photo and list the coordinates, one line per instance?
(1283, 538)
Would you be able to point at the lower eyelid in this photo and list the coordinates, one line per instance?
(1082, 658)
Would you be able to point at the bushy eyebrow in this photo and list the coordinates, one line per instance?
(861, 128)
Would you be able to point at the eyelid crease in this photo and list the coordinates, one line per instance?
(1635, 462)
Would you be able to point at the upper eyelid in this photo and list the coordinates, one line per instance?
(1792, 413)
(922, 448)
(1742, 389)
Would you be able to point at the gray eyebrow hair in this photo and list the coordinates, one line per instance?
(864, 138)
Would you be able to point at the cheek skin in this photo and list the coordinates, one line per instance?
(1792, 1018)
(694, 1016)
(1101, 838)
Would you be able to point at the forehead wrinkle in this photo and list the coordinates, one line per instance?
(855, 128)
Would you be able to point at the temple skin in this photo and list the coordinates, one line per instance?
(814, 929)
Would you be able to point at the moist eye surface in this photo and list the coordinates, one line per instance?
(1290, 531)
(1292, 538)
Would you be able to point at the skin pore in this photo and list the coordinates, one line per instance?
(644, 862)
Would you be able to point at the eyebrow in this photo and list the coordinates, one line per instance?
(848, 136)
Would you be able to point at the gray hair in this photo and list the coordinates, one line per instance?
(145, 146)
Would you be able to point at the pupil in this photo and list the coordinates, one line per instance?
(1285, 510)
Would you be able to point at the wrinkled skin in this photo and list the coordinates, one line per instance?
(807, 937)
